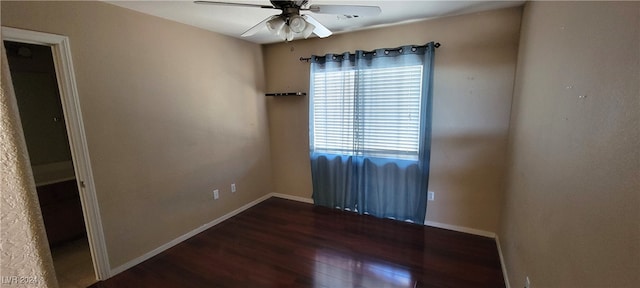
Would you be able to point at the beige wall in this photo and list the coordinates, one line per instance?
(170, 113)
(571, 216)
(474, 73)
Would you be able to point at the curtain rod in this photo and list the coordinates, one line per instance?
(307, 59)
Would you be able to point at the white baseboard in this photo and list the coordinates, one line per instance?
(186, 236)
(461, 229)
(502, 264)
(291, 197)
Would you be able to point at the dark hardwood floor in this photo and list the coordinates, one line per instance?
(282, 243)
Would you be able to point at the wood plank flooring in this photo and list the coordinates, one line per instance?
(282, 243)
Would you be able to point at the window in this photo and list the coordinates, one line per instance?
(370, 130)
(368, 112)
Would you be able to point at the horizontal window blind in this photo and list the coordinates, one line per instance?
(371, 112)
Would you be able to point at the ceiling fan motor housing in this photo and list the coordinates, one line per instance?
(288, 4)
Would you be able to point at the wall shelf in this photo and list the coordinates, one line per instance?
(287, 94)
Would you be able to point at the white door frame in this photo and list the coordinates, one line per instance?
(77, 139)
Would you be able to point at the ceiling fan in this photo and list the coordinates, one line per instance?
(289, 23)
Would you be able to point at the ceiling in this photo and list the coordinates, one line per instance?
(233, 21)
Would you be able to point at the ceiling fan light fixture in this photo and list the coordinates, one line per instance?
(297, 23)
(308, 30)
(275, 25)
(289, 34)
(287, 29)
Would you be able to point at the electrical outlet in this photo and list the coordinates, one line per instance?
(216, 194)
(527, 283)
(431, 196)
(233, 187)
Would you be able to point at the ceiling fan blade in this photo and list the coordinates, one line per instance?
(257, 27)
(233, 4)
(320, 30)
(345, 10)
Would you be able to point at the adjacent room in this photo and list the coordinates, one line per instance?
(320, 144)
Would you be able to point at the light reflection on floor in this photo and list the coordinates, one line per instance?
(334, 269)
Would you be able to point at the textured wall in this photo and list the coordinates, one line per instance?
(571, 216)
(24, 257)
(170, 112)
(474, 73)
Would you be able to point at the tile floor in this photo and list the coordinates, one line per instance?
(73, 264)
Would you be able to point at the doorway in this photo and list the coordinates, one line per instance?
(35, 84)
(48, 104)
